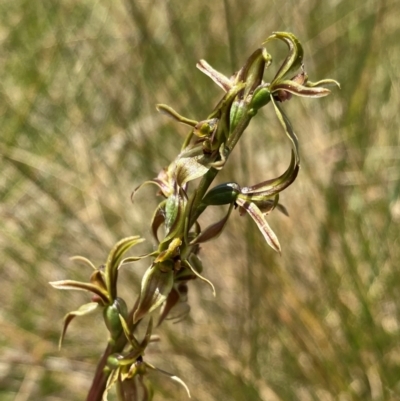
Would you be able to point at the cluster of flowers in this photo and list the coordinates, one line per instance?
(176, 261)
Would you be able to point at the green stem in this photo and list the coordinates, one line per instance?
(205, 183)
(208, 178)
(100, 377)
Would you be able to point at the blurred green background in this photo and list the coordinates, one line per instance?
(79, 81)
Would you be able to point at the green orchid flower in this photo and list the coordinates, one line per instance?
(282, 87)
(103, 286)
(127, 370)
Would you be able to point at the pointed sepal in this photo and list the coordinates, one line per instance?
(258, 217)
(157, 283)
(113, 262)
(83, 310)
(294, 60)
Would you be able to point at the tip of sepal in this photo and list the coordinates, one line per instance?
(198, 275)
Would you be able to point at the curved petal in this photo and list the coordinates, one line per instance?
(83, 310)
(256, 214)
(288, 129)
(221, 80)
(170, 112)
(273, 186)
(295, 57)
(114, 260)
(165, 188)
(212, 231)
(128, 333)
(198, 275)
(81, 286)
(300, 90)
(171, 301)
(323, 82)
(158, 219)
(188, 169)
(171, 376)
(131, 259)
(84, 260)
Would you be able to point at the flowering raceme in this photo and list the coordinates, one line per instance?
(184, 188)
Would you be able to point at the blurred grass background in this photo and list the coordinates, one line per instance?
(79, 81)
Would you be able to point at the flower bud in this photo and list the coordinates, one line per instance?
(223, 194)
(237, 111)
(111, 316)
(171, 210)
(112, 362)
(260, 98)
